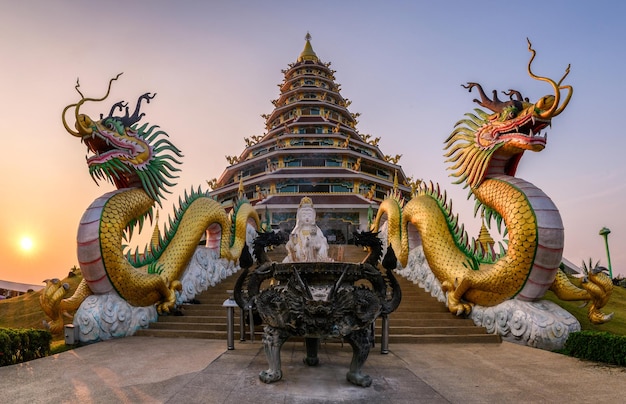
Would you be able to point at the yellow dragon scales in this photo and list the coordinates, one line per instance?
(484, 150)
(140, 162)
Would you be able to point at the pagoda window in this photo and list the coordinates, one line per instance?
(310, 96)
(288, 188)
(315, 111)
(382, 174)
(258, 169)
(319, 129)
(312, 162)
(309, 71)
(293, 163)
(228, 196)
(332, 163)
(345, 187)
(304, 188)
(301, 130)
(309, 82)
(259, 152)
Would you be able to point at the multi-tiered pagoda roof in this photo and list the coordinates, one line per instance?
(312, 148)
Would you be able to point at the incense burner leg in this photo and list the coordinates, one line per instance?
(360, 341)
(273, 340)
(312, 346)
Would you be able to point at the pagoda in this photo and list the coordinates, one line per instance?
(312, 148)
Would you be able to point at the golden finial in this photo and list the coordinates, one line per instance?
(241, 190)
(395, 181)
(484, 237)
(156, 235)
(307, 52)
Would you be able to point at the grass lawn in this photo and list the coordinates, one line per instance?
(25, 312)
(616, 305)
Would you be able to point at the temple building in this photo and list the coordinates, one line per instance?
(312, 148)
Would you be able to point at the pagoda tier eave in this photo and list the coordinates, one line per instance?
(234, 169)
(321, 201)
(286, 136)
(320, 172)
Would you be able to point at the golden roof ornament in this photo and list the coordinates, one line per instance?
(395, 181)
(307, 52)
(484, 237)
(156, 234)
(241, 190)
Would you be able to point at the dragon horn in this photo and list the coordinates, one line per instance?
(494, 105)
(555, 109)
(81, 119)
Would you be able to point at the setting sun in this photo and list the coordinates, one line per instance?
(26, 244)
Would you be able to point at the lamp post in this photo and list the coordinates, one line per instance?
(604, 232)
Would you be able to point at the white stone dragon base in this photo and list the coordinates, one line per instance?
(106, 316)
(541, 324)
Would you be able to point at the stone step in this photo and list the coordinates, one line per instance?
(393, 338)
(194, 319)
(427, 322)
(189, 326)
(442, 339)
(204, 311)
(420, 318)
(178, 333)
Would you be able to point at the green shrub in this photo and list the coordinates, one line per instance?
(21, 345)
(597, 346)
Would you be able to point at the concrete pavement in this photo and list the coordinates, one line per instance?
(177, 370)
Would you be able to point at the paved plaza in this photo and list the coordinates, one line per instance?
(177, 370)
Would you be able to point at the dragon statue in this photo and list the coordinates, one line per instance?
(484, 151)
(140, 161)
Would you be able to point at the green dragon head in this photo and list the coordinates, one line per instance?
(484, 143)
(124, 153)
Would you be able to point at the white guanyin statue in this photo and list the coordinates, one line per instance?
(306, 241)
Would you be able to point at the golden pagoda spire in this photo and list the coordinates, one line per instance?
(307, 52)
(395, 181)
(240, 191)
(156, 235)
(484, 237)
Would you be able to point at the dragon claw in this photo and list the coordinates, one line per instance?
(169, 301)
(51, 303)
(598, 317)
(455, 304)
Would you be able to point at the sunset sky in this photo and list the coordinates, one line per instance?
(215, 67)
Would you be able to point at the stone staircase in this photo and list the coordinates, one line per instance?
(420, 318)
